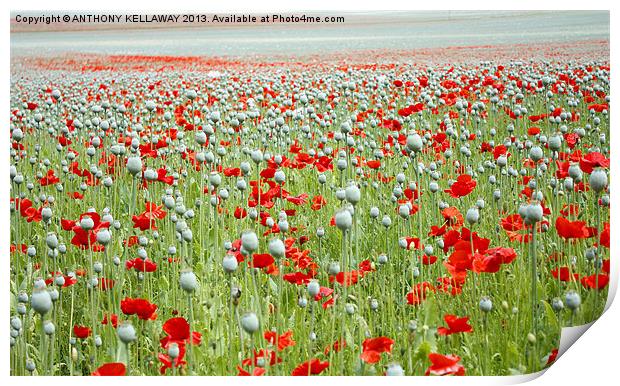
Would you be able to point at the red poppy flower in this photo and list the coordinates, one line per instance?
(163, 177)
(552, 356)
(318, 202)
(571, 229)
(140, 307)
(81, 332)
(374, 164)
(605, 236)
(112, 320)
(345, 278)
(146, 220)
(114, 369)
(85, 239)
(373, 347)
(592, 282)
(232, 172)
(444, 365)
(336, 346)
(140, 265)
(593, 160)
(177, 330)
(285, 340)
(69, 281)
(256, 371)
(455, 325)
(311, 367)
(492, 260)
(418, 294)
(463, 185)
(240, 213)
(49, 178)
(453, 217)
(269, 356)
(563, 274)
(262, 260)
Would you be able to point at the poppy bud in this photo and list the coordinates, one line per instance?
(374, 304)
(557, 304)
(349, 309)
(414, 143)
(574, 172)
(340, 194)
(573, 300)
(59, 280)
(279, 177)
(249, 241)
(352, 194)
(134, 165)
(382, 259)
(215, 179)
(87, 223)
(402, 242)
(104, 237)
(313, 288)
(598, 180)
(283, 225)
(536, 153)
(486, 304)
(98, 267)
(412, 326)
(555, 142)
(173, 350)
(46, 213)
(533, 213)
(302, 302)
(249, 322)
(41, 301)
(344, 221)
(51, 240)
(48, 327)
(188, 281)
(126, 332)
(16, 323)
(403, 211)
(277, 248)
(229, 263)
(341, 164)
(320, 232)
(54, 294)
(334, 268)
(22, 297)
(472, 216)
(257, 156)
(386, 221)
(30, 366)
(395, 370)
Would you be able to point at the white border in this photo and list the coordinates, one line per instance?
(594, 356)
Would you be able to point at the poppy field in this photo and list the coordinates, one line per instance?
(383, 216)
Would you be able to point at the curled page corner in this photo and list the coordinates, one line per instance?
(569, 336)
